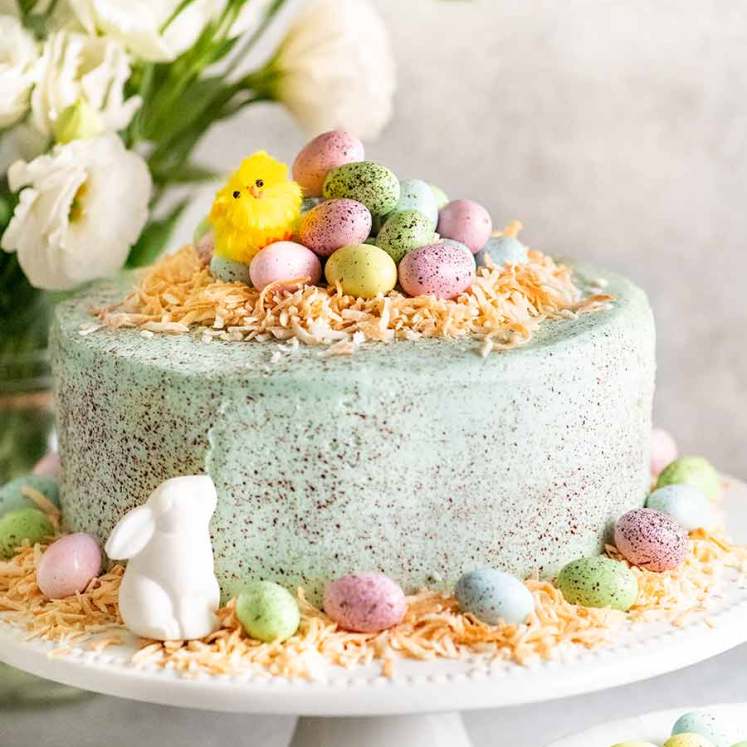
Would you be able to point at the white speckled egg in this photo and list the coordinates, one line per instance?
(493, 596)
(686, 504)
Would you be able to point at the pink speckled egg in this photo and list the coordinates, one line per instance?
(365, 602)
(284, 260)
(651, 539)
(467, 222)
(443, 270)
(324, 153)
(663, 450)
(48, 465)
(333, 224)
(68, 565)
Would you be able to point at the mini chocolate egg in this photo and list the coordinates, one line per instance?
(284, 261)
(650, 539)
(415, 194)
(13, 496)
(22, 524)
(365, 602)
(441, 197)
(494, 596)
(715, 728)
(322, 154)
(333, 224)
(502, 250)
(692, 470)
(467, 222)
(362, 270)
(365, 181)
(68, 565)
(403, 232)
(663, 450)
(688, 740)
(267, 611)
(598, 582)
(687, 505)
(444, 270)
(228, 271)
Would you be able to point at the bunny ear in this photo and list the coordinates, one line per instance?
(132, 534)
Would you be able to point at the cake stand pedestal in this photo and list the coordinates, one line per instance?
(419, 704)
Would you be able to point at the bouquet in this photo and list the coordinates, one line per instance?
(102, 104)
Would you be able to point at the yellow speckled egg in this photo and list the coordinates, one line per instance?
(688, 740)
(362, 270)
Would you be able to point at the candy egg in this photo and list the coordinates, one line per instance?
(494, 596)
(362, 270)
(598, 582)
(692, 470)
(705, 724)
(333, 224)
(467, 222)
(651, 539)
(229, 271)
(663, 450)
(688, 740)
(501, 250)
(443, 270)
(12, 494)
(365, 602)
(22, 524)
(404, 231)
(325, 152)
(687, 505)
(267, 611)
(415, 194)
(365, 181)
(441, 196)
(284, 261)
(68, 565)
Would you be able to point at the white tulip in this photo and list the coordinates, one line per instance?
(76, 66)
(139, 24)
(335, 68)
(18, 56)
(80, 209)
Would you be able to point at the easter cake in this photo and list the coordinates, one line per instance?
(476, 414)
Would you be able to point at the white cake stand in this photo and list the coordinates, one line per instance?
(420, 704)
(655, 727)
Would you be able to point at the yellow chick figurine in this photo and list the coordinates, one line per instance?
(257, 205)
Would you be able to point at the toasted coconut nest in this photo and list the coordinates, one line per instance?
(433, 627)
(503, 308)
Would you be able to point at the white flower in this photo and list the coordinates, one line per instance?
(18, 56)
(80, 210)
(76, 66)
(138, 24)
(336, 68)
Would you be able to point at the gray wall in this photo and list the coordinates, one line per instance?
(616, 132)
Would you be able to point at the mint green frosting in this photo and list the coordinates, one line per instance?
(422, 460)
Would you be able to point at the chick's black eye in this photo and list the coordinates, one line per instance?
(260, 183)
(236, 194)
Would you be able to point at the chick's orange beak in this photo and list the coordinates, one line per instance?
(255, 191)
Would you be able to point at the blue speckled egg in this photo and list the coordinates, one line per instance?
(228, 271)
(12, 496)
(415, 194)
(367, 182)
(686, 504)
(494, 596)
(502, 249)
(717, 729)
(403, 232)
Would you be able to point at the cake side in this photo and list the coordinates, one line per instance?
(420, 459)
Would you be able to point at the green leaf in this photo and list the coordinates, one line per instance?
(185, 173)
(155, 237)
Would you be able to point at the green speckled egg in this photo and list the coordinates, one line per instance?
(405, 231)
(22, 524)
(12, 497)
(365, 181)
(362, 270)
(267, 611)
(688, 740)
(692, 470)
(441, 197)
(598, 582)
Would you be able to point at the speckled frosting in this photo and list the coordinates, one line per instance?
(418, 459)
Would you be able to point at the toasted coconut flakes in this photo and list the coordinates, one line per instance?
(433, 626)
(505, 306)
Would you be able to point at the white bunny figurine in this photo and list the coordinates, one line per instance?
(169, 590)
